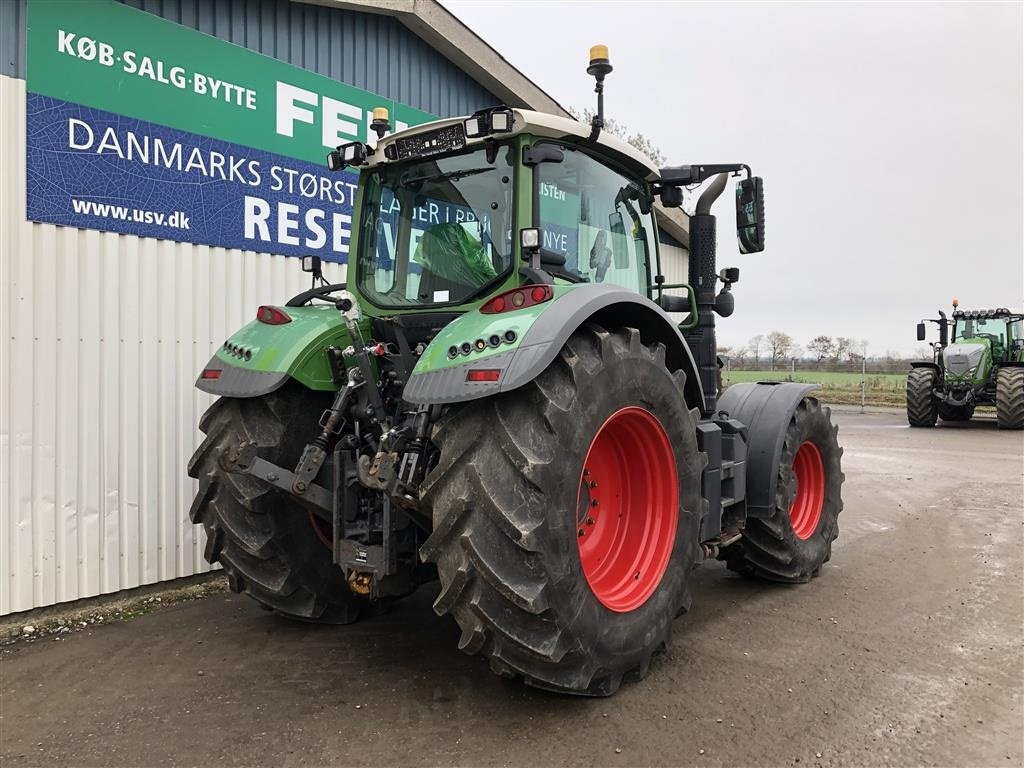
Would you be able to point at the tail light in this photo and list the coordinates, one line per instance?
(517, 298)
(272, 315)
(211, 373)
(483, 374)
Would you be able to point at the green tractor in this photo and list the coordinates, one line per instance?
(498, 402)
(983, 365)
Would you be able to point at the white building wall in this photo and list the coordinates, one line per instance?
(101, 338)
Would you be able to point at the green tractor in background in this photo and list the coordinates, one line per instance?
(983, 365)
(498, 401)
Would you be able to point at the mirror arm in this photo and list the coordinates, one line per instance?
(685, 175)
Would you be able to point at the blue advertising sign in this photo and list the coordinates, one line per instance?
(97, 170)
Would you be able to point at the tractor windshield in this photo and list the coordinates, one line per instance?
(436, 231)
(992, 329)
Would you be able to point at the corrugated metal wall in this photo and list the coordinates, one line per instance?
(370, 51)
(101, 335)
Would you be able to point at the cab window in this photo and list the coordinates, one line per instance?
(593, 217)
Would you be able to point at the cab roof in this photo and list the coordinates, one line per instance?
(970, 314)
(539, 124)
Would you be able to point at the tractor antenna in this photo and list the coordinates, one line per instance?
(600, 65)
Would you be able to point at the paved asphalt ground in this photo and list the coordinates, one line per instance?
(907, 650)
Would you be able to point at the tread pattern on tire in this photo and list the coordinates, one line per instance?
(1010, 398)
(769, 548)
(263, 540)
(922, 410)
(492, 538)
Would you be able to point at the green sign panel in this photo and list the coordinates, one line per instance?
(106, 55)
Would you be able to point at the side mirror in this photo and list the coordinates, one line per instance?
(750, 215)
(920, 332)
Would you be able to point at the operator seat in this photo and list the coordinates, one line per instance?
(452, 260)
(998, 349)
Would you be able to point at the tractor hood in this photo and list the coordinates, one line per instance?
(962, 359)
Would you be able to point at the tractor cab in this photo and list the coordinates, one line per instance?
(453, 211)
(998, 329)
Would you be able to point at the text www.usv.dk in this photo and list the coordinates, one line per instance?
(177, 220)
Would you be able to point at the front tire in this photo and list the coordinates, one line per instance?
(264, 540)
(793, 544)
(922, 410)
(528, 479)
(1010, 398)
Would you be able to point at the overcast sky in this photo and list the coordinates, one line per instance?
(889, 137)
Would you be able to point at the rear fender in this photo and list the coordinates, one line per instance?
(540, 333)
(260, 358)
(766, 409)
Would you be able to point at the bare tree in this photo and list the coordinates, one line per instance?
(842, 348)
(754, 346)
(779, 345)
(821, 347)
(636, 139)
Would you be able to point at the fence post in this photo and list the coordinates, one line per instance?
(863, 371)
(728, 370)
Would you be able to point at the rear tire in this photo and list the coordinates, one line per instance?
(956, 412)
(264, 540)
(922, 410)
(507, 515)
(793, 544)
(1010, 398)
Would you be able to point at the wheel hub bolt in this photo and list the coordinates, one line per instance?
(590, 521)
(582, 532)
(593, 483)
(593, 502)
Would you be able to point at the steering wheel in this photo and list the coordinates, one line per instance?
(320, 292)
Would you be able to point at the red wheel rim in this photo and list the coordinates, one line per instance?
(809, 472)
(627, 509)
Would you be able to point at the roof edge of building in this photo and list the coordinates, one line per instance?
(450, 37)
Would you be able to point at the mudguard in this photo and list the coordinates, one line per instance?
(765, 408)
(540, 332)
(260, 358)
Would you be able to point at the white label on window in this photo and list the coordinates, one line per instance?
(440, 296)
